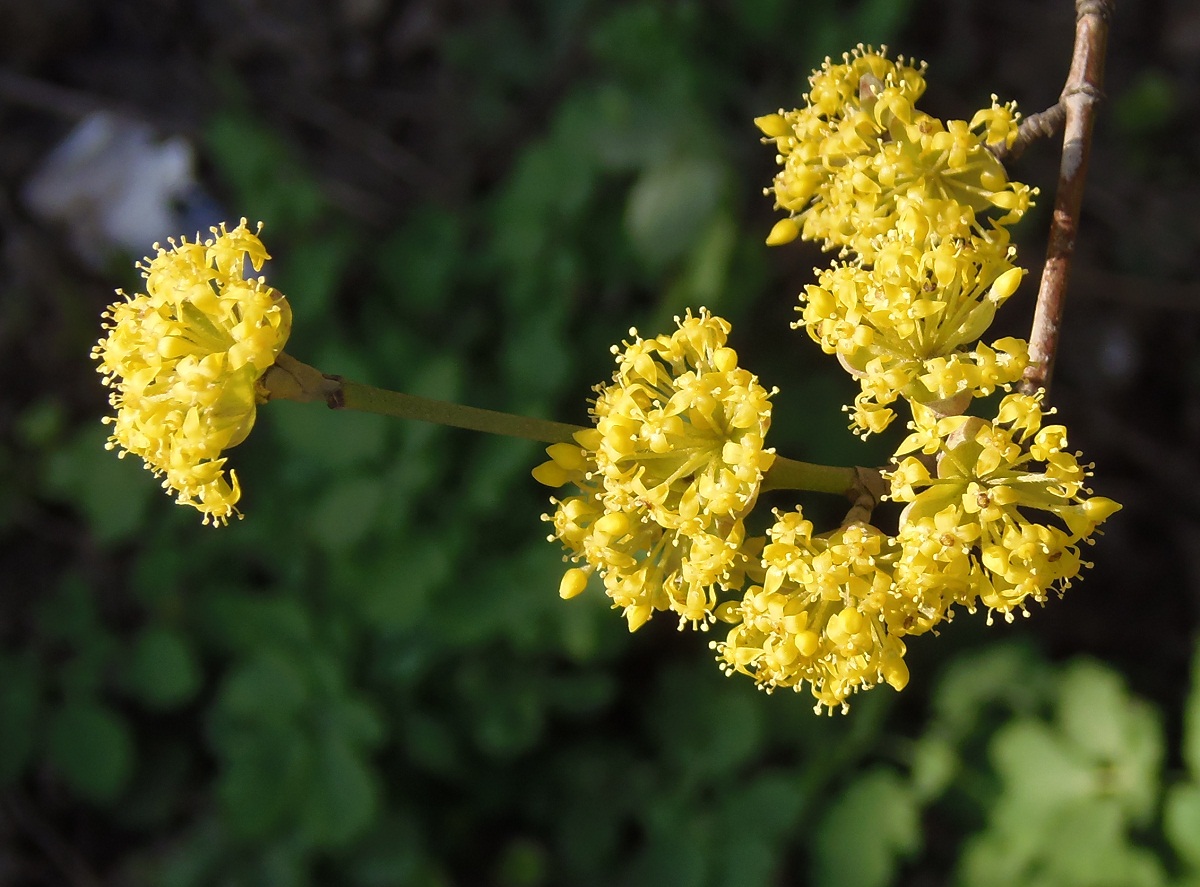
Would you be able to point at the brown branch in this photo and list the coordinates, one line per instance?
(1080, 96)
(1042, 125)
(867, 491)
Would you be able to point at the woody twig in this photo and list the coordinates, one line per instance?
(1076, 107)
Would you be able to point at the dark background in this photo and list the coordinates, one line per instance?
(371, 680)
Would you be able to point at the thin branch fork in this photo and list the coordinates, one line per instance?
(1080, 95)
(1043, 125)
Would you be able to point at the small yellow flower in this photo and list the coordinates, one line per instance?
(183, 361)
(904, 326)
(1008, 503)
(859, 160)
(823, 615)
(673, 465)
(935, 570)
(682, 427)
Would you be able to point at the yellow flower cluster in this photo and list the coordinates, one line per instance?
(996, 510)
(673, 465)
(183, 361)
(832, 610)
(860, 161)
(994, 484)
(826, 613)
(921, 209)
(907, 327)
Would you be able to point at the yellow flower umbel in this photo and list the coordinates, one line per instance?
(905, 326)
(184, 359)
(859, 161)
(1001, 519)
(674, 464)
(824, 614)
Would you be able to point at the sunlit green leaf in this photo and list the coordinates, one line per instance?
(866, 833)
(1181, 822)
(934, 764)
(670, 206)
(1000, 673)
(1118, 734)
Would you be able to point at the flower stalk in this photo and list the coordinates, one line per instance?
(291, 379)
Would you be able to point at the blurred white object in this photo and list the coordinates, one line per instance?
(114, 186)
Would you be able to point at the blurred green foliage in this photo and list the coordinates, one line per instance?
(371, 681)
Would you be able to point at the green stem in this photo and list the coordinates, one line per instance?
(289, 379)
(367, 399)
(790, 474)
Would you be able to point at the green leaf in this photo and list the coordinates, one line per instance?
(1036, 765)
(876, 21)
(935, 763)
(509, 715)
(1093, 709)
(270, 688)
(430, 744)
(114, 494)
(330, 439)
(402, 581)
(420, 262)
(706, 278)
(162, 669)
(583, 692)
(1181, 822)
(866, 832)
(341, 797)
(1071, 790)
(91, 748)
(1009, 673)
(670, 206)
(678, 846)
(748, 847)
(311, 276)
(354, 720)
(242, 622)
(264, 775)
(1087, 845)
(1117, 733)
(345, 513)
(1083, 844)
(496, 464)
(536, 353)
(41, 424)
(264, 173)
(392, 853)
(709, 724)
